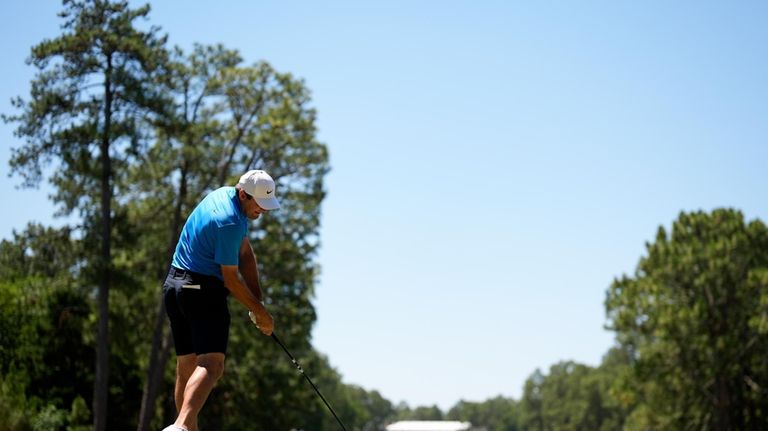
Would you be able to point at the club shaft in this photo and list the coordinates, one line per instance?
(301, 370)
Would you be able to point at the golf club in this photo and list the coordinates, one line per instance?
(301, 370)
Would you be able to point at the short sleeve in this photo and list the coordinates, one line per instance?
(228, 241)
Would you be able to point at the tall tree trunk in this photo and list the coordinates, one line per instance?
(158, 357)
(161, 341)
(101, 386)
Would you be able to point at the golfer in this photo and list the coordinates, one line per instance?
(213, 249)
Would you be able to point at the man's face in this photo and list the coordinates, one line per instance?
(251, 209)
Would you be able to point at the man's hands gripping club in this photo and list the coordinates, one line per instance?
(265, 325)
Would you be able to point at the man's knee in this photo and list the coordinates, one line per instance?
(213, 363)
(185, 366)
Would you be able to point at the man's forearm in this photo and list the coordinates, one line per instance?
(250, 273)
(243, 294)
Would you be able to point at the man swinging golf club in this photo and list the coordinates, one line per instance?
(212, 253)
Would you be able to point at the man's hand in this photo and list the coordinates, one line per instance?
(263, 321)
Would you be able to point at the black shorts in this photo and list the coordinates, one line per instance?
(197, 307)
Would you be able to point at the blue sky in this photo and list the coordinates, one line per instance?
(495, 164)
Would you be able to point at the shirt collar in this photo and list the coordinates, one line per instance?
(238, 206)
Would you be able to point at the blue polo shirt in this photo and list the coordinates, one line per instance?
(212, 234)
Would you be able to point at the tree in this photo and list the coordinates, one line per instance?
(225, 119)
(494, 414)
(695, 319)
(374, 411)
(426, 413)
(45, 375)
(173, 174)
(531, 405)
(575, 397)
(93, 87)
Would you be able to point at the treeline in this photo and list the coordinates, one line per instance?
(692, 340)
(134, 132)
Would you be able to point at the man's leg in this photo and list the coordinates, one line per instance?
(185, 366)
(209, 368)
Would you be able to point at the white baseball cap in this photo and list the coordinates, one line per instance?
(262, 187)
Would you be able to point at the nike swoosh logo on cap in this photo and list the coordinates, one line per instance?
(269, 191)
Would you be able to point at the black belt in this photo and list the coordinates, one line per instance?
(178, 272)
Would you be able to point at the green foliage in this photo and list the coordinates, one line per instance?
(50, 418)
(13, 400)
(693, 317)
(574, 397)
(79, 416)
(495, 414)
(44, 361)
(419, 413)
(373, 410)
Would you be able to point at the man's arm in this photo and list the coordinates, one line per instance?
(247, 298)
(249, 270)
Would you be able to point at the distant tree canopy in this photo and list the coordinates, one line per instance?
(574, 397)
(495, 414)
